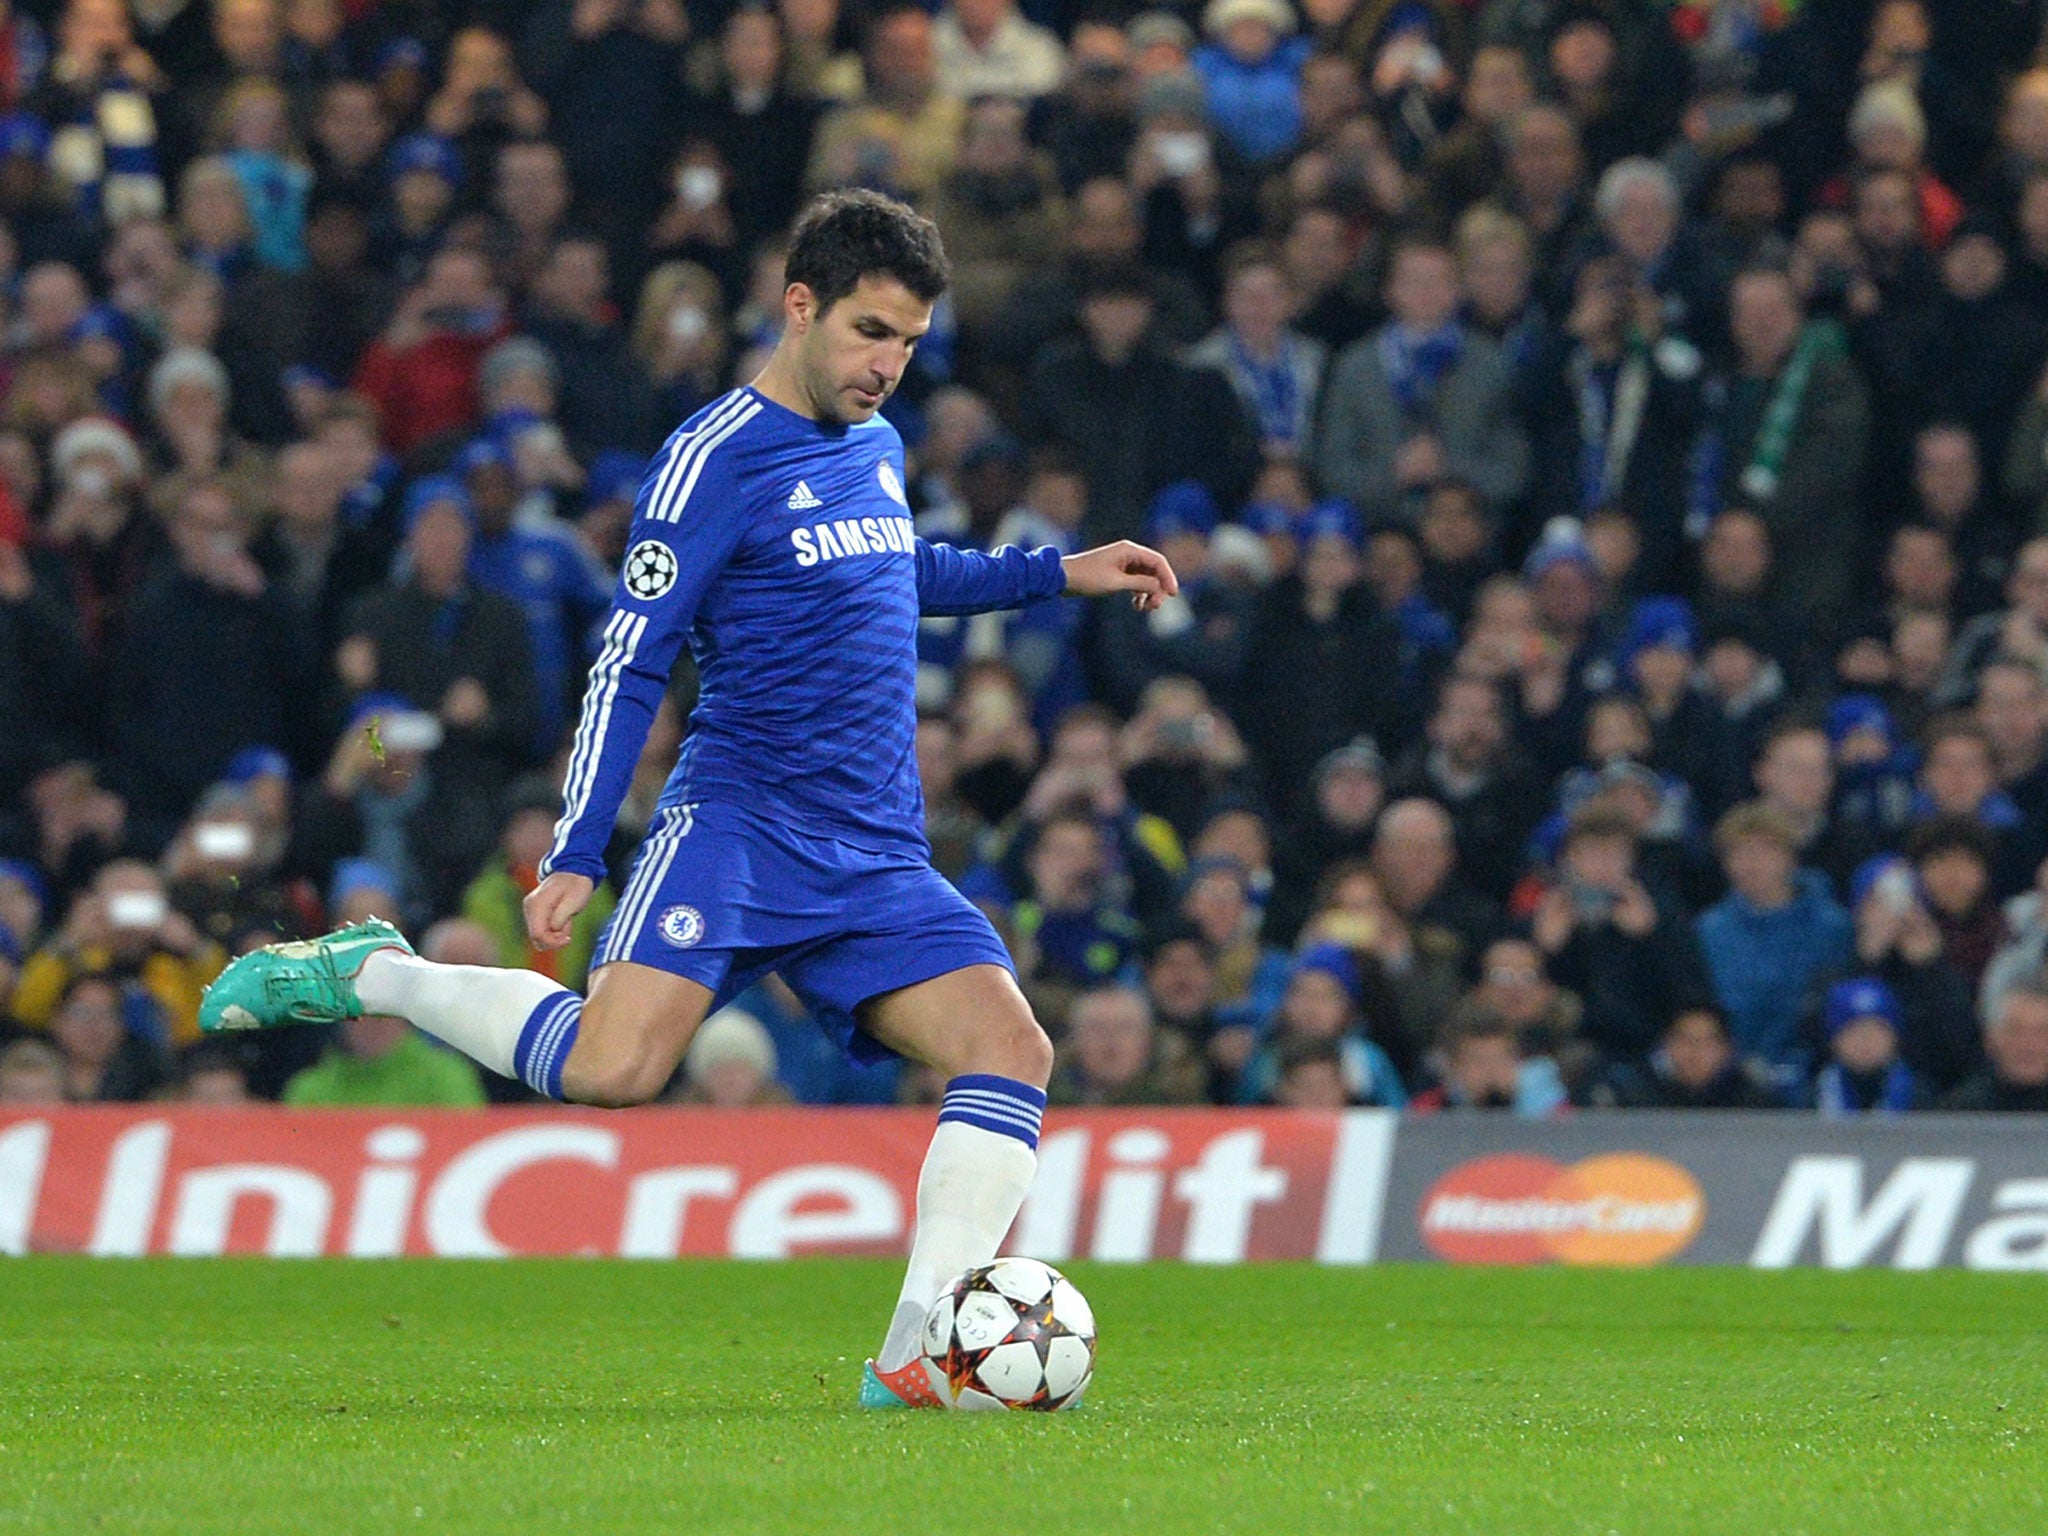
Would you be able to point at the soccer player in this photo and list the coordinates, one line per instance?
(772, 534)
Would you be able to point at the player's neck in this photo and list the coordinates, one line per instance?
(778, 382)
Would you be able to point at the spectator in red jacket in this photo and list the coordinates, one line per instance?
(422, 372)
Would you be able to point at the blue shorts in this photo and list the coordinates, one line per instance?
(724, 899)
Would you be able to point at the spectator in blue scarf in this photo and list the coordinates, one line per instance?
(1864, 1074)
(1419, 399)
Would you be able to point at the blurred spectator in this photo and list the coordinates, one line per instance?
(612, 53)
(1514, 990)
(1115, 1054)
(1180, 754)
(730, 1064)
(901, 132)
(1864, 1073)
(1323, 655)
(1249, 973)
(1349, 791)
(2016, 1043)
(1790, 434)
(756, 119)
(1000, 207)
(1136, 420)
(421, 373)
(1276, 371)
(212, 1073)
(1408, 977)
(1795, 777)
(1486, 1068)
(385, 1062)
(98, 98)
(458, 656)
(493, 898)
(1950, 495)
(1695, 1066)
(987, 48)
(1772, 941)
(223, 868)
(1312, 1075)
(1415, 859)
(124, 928)
(31, 1073)
(1952, 856)
(1251, 71)
(1180, 987)
(216, 659)
(42, 658)
(1077, 933)
(1083, 770)
(111, 1055)
(1200, 633)
(1422, 398)
(1621, 404)
(604, 399)
(1608, 939)
(1320, 1008)
(536, 563)
(1468, 762)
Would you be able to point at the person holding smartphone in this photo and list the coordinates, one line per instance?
(1606, 938)
(124, 926)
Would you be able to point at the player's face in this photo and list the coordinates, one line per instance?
(854, 354)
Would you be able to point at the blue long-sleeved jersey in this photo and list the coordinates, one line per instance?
(781, 550)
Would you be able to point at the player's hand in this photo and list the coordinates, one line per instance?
(1122, 567)
(551, 908)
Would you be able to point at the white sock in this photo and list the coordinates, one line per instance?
(478, 1009)
(974, 1181)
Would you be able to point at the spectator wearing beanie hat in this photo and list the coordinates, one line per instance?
(1656, 661)
(1864, 1074)
(731, 1064)
(1201, 633)
(1251, 71)
(1873, 769)
(1321, 1004)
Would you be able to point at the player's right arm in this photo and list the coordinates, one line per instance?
(687, 521)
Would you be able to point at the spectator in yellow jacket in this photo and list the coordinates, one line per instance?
(124, 926)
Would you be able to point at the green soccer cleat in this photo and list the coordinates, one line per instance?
(310, 981)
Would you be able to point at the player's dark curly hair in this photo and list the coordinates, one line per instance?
(843, 237)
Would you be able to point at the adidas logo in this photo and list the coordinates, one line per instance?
(801, 499)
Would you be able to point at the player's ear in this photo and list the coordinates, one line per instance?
(799, 306)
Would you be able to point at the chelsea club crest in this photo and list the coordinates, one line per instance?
(682, 926)
(892, 487)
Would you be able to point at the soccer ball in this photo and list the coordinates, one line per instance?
(1012, 1334)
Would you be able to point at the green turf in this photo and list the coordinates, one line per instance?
(599, 1397)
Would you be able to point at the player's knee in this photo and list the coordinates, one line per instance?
(1020, 1049)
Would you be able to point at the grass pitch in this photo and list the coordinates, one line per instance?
(601, 1397)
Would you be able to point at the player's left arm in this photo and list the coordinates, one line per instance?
(963, 581)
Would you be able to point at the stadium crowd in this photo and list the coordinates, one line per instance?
(1604, 446)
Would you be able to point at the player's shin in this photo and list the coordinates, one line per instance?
(517, 1023)
(975, 1177)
